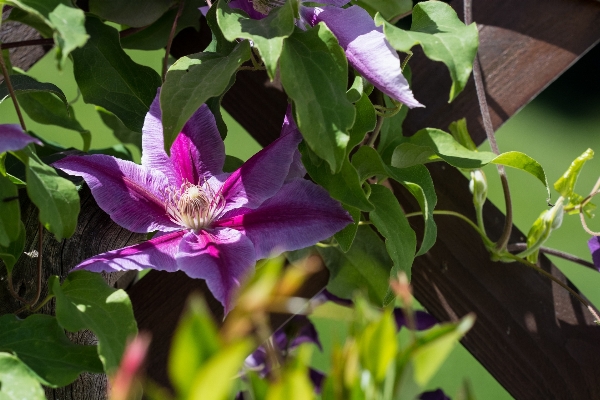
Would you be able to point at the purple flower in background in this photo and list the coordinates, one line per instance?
(594, 245)
(13, 138)
(366, 47)
(434, 395)
(211, 225)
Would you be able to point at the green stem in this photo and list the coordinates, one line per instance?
(487, 241)
(377, 129)
(13, 96)
(170, 41)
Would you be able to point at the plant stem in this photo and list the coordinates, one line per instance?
(378, 126)
(489, 131)
(487, 241)
(39, 264)
(170, 41)
(13, 96)
(554, 252)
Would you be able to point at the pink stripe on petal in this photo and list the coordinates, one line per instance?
(299, 215)
(366, 48)
(132, 195)
(12, 138)
(262, 175)
(157, 253)
(222, 257)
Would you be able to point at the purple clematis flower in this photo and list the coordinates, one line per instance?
(211, 225)
(594, 245)
(366, 47)
(13, 138)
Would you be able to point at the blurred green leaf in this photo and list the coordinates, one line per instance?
(121, 132)
(26, 84)
(10, 254)
(343, 186)
(40, 343)
(366, 266)
(389, 9)
(134, 13)
(346, 236)
(194, 343)
(267, 34)
(443, 37)
(364, 122)
(389, 219)
(191, 81)
(10, 212)
(156, 35)
(232, 163)
(85, 301)
(458, 130)
(314, 73)
(378, 346)
(17, 381)
(565, 185)
(55, 197)
(294, 383)
(107, 76)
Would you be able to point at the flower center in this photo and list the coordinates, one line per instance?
(194, 206)
(265, 6)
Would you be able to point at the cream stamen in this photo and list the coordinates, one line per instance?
(194, 206)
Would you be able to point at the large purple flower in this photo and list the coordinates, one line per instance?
(365, 44)
(13, 138)
(212, 225)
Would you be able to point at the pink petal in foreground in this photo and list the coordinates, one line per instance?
(13, 138)
(262, 175)
(157, 253)
(222, 257)
(366, 48)
(133, 196)
(299, 215)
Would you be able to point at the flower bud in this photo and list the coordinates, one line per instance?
(478, 186)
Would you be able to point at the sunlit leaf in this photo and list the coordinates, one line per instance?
(378, 346)
(389, 9)
(17, 381)
(565, 185)
(10, 254)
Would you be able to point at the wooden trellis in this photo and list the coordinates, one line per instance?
(530, 334)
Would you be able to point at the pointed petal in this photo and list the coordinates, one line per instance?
(262, 175)
(157, 253)
(594, 245)
(197, 153)
(13, 138)
(222, 257)
(299, 215)
(366, 48)
(423, 320)
(132, 195)
(289, 127)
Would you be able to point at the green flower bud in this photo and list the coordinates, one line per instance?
(478, 186)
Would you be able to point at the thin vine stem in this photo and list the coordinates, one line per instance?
(38, 291)
(553, 252)
(13, 96)
(489, 131)
(458, 215)
(375, 133)
(170, 41)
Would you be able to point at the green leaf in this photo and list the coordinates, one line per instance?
(294, 382)
(458, 130)
(443, 37)
(346, 236)
(218, 44)
(55, 197)
(232, 163)
(40, 343)
(156, 35)
(390, 135)
(107, 76)
(267, 34)
(378, 346)
(35, 21)
(26, 84)
(215, 379)
(389, 9)
(117, 151)
(343, 186)
(195, 342)
(314, 73)
(434, 346)
(191, 81)
(10, 212)
(390, 221)
(431, 144)
(56, 18)
(416, 179)
(565, 185)
(85, 301)
(366, 266)
(10, 254)
(364, 122)
(17, 382)
(121, 132)
(134, 13)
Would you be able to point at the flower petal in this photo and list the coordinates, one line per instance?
(247, 7)
(262, 175)
(133, 196)
(13, 138)
(222, 257)
(434, 395)
(423, 320)
(335, 3)
(594, 245)
(157, 253)
(289, 127)
(299, 215)
(198, 151)
(366, 48)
